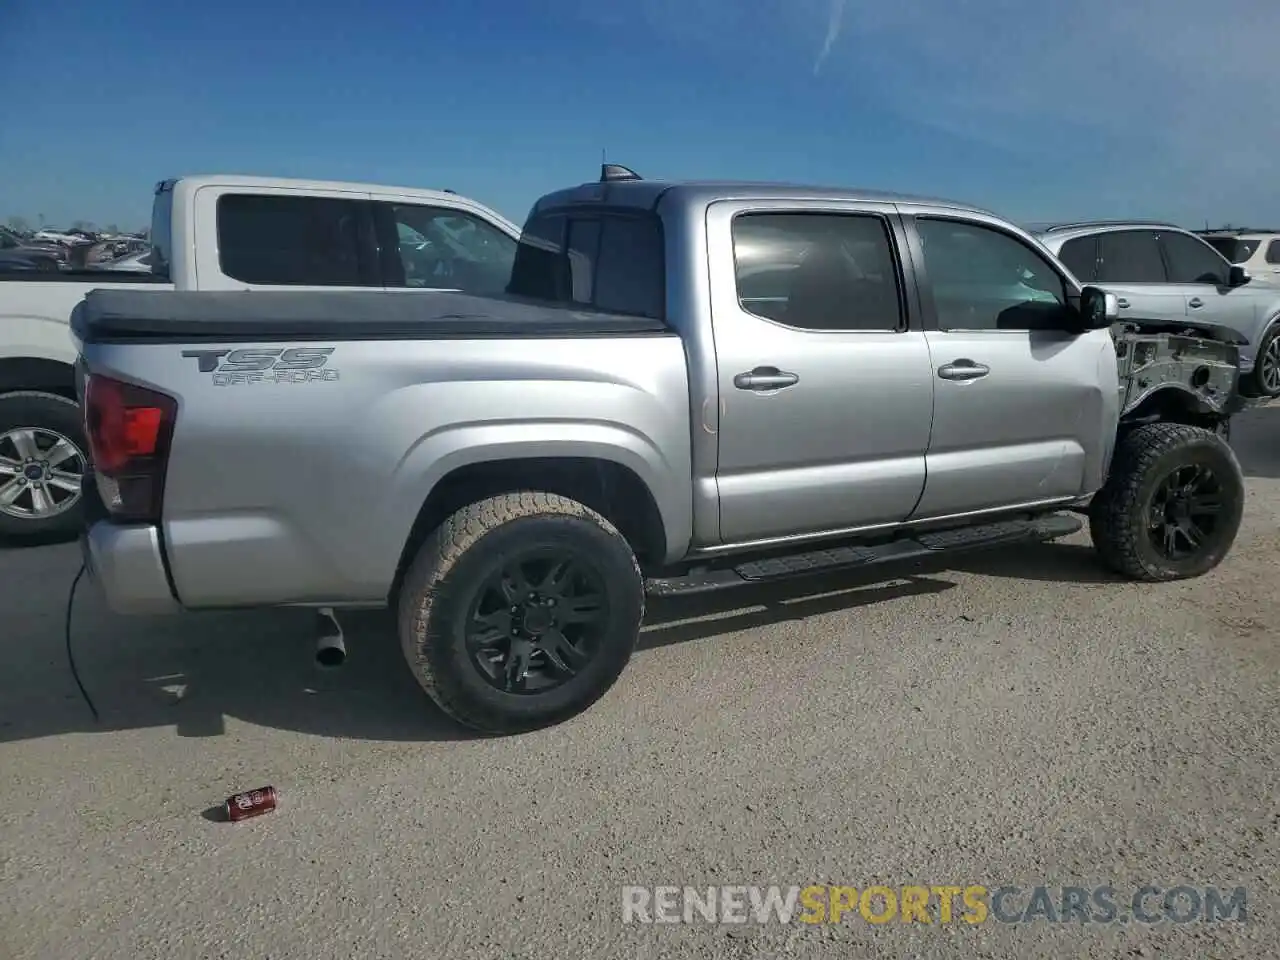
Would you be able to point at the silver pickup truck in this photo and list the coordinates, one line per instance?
(686, 387)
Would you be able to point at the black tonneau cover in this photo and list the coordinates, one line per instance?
(240, 316)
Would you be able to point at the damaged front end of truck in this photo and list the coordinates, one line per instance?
(1186, 372)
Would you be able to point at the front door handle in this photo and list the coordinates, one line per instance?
(1123, 303)
(765, 378)
(963, 369)
(1195, 303)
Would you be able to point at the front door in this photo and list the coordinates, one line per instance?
(1203, 277)
(1020, 411)
(826, 392)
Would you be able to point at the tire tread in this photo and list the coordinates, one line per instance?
(443, 548)
(1115, 522)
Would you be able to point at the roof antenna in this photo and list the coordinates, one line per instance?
(614, 172)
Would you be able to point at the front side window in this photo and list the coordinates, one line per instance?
(1131, 256)
(817, 271)
(444, 248)
(1191, 261)
(985, 279)
(292, 241)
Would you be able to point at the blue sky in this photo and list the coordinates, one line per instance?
(1089, 108)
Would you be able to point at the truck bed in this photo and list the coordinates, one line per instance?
(303, 488)
(167, 316)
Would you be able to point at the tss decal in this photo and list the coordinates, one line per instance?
(265, 365)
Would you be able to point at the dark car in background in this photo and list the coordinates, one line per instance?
(19, 254)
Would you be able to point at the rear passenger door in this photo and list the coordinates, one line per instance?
(825, 386)
(1131, 266)
(1019, 412)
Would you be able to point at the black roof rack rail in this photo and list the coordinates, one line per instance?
(1111, 223)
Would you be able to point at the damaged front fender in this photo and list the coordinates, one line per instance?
(1200, 365)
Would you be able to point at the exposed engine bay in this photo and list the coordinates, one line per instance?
(1201, 361)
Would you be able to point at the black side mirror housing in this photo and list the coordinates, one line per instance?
(1098, 308)
(1237, 276)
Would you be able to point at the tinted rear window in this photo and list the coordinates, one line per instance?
(608, 261)
(1131, 256)
(293, 241)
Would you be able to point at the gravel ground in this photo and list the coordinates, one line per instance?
(1020, 718)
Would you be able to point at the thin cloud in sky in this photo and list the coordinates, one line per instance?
(834, 21)
(1165, 101)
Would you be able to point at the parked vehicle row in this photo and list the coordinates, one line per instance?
(219, 233)
(685, 386)
(1158, 270)
(22, 255)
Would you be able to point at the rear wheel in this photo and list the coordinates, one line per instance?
(1172, 506)
(520, 611)
(42, 464)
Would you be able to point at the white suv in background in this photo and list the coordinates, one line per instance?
(1161, 272)
(1258, 251)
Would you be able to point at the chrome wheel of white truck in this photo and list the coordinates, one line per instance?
(42, 463)
(520, 611)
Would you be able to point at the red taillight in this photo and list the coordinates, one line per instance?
(128, 428)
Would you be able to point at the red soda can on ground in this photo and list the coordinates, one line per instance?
(251, 803)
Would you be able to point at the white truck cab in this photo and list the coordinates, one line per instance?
(221, 232)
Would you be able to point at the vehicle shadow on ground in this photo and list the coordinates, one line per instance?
(1255, 436)
(201, 674)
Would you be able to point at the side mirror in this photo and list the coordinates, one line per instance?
(1237, 276)
(1098, 309)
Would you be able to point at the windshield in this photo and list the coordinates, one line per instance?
(1233, 248)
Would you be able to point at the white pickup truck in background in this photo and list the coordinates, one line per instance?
(220, 233)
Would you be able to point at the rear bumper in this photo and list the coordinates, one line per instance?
(125, 562)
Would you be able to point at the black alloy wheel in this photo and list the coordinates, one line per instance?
(537, 621)
(1185, 511)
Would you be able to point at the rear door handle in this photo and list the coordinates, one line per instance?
(1195, 303)
(1123, 303)
(963, 369)
(765, 378)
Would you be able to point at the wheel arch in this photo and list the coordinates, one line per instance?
(37, 374)
(1173, 403)
(611, 488)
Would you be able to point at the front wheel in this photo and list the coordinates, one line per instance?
(520, 611)
(1264, 381)
(1172, 505)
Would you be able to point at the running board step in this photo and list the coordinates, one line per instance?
(922, 545)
